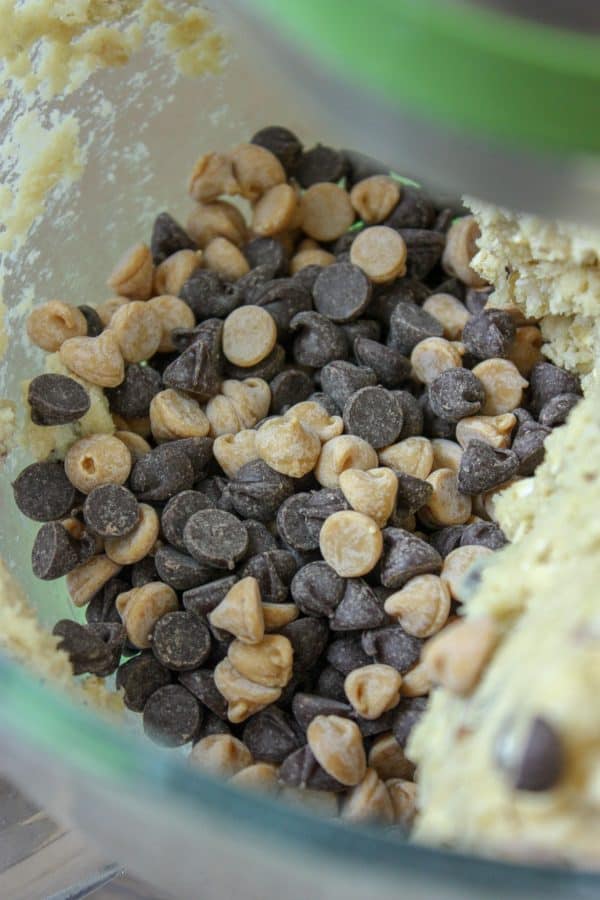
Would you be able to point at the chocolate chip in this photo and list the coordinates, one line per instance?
(56, 400)
(443, 220)
(139, 678)
(541, 761)
(342, 292)
(102, 607)
(283, 299)
(406, 715)
(370, 329)
(435, 426)
(176, 513)
(95, 325)
(318, 341)
(483, 467)
(201, 683)
(362, 166)
(260, 538)
(131, 399)
(211, 724)
(451, 286)
(556, 410)
(412, 415)
(306, 707)
(547, 381)
(424, 250)
(257, 491)
(346, 654)
(163, 472)
(168, 237)
(484, 534)
(489, 334)
(208, 296)
(321, 163)
(446, 539)
(216, 488)
(359, 608)
(198, 369)
(179, 570)
(301, 516)
(341, 379)
(180, 641)
(172, 716)
(216, 538)
(406, 555)
(270, 735)
(143, 572)
(409, 324)
(274, 570)
(198, 450)
(414, 210)
(203, 599)
(111, 510)
(404, 290)
(267, 368)
(455, 394)
(92, 648)
(267, 251)
(528, 444)
(43, 492)
(390, 366)
(317, 589)
(392, 646)
(289, 387)
(307, 276)
(253, 283)
(302, 770)
(475, 300)
(54, 552)
(308, 638)
(413, 493)
(282, 143)
(330, 683)
(373, 413)
(327, 402)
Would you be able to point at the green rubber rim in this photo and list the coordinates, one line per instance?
(500, 76)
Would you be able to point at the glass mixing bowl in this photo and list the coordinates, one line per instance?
(177, 829)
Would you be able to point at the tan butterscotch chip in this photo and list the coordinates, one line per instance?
(461, 247)
(277, 615)
(446, 505)
(403, 795)
(137, 329)
(223, 257)
(142, 607)
(351, 543)
(108, 308)
(422, 606)
(457, 564)
(137, 543)
(174, 415)
(172, 313)
(133, 275)
(369, 801)
(526, 349)
(316, 418)
(412, 456)
(135, 443)
(95, 460)
(220, 219)
(446, 454)
(244, 697)
(433, 356)
(416, 682)
(53, 323)
(174, 271)
(249, 335)
(240, 612)
(96, 359)
(256, 170)
(311, 257)
(456, 657)
(275, 211)
(372, 492)
(257, 777)
(268, 663)
(338, 747)
(380, 252)
(87, 579)
(450, 313)
(221, 754)
(373, 690)
(232, 451)
(387, 757)
(212, 176)
(326, 211)
(374, 198)
(492, 430)
(503, 385)
(287, 446)
(347, 451)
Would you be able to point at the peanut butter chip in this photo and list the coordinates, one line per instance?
(142, 607)
(174, 415)
(351, 543)
(135, 545)
(380, 252)
(96, 359)
(412, 456)
(461, 247)
(275, 211)
(212, 176)
(174, 271)
(503, 385)
(240, 612)
(268, 663)
(447, 454)
(326, 211)
(172, 313)
(338, 747)
(218, 219)
(316, 418)
(256, 170)
(340, 453)
(457, 564)
(450, 313)
(433, 356)
(287, 446)
(53, 323)
(312, 257)
(107, 309)
(372, 492)
(95, 460)
(86, 580)
(373, 690)
(492, 430)
(137, 329)
(232, 451)
(133, 275)
(446, 505)
(422, 606)
(374, 198)
(244, 697)
(369, 801)
(456, 657)
(249, 335)
(221, 754)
